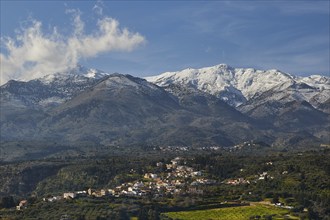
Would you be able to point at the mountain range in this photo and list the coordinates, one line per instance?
(217, 105)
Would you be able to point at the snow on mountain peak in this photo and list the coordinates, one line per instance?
(120, 81)
(317, 81)
(233, 84)
(78, 72)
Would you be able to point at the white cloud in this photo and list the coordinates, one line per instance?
(79, 26)
(35, 54)
(98, 8)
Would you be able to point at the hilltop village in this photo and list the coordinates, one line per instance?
(174, 178)
(178, 178)
(92, 188)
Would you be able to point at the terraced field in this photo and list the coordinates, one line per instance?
(231, 213)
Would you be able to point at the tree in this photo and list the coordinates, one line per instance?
(275, 199)
(81, 217)
(122, 215)
(7, 202)
(312, 214)
(143, 214)
(153, 214)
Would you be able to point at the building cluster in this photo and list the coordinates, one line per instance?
(185, 148)
(238, 181)
(245, 144)
(173, 178)
(264, 176)
(177, 179)
(173, 148)
(242, 181)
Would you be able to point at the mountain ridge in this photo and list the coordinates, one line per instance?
(104, 109)
(238, 85)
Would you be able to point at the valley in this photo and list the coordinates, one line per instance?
(169, 186)
(164, 110)
(217, 142)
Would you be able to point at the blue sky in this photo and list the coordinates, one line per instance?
(161, 36)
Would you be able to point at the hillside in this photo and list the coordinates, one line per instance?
(82, 108)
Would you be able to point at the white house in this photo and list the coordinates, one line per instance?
(22, 205)
(69, 195)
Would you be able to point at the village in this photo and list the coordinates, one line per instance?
(112, 186)
(177, 178)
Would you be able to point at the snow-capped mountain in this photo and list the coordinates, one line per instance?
(238, 85)
(217, 105)
(53, 89)
(122, 109)
(77, 74)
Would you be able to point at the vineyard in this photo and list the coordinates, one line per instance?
(233, 213)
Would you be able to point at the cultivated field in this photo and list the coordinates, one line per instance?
(232, 213)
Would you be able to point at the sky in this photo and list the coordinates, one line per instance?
(145, 38)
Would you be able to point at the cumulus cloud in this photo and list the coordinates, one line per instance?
(33, 53)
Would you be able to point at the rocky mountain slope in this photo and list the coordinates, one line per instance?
(236, 86)
(289, 103)
(51, 90)
(125, 110)
(218, 105)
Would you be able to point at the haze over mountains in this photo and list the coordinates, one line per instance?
(217, 105)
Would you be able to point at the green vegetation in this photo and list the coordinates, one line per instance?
(299, 181)
(232, 213)
(74, 209)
